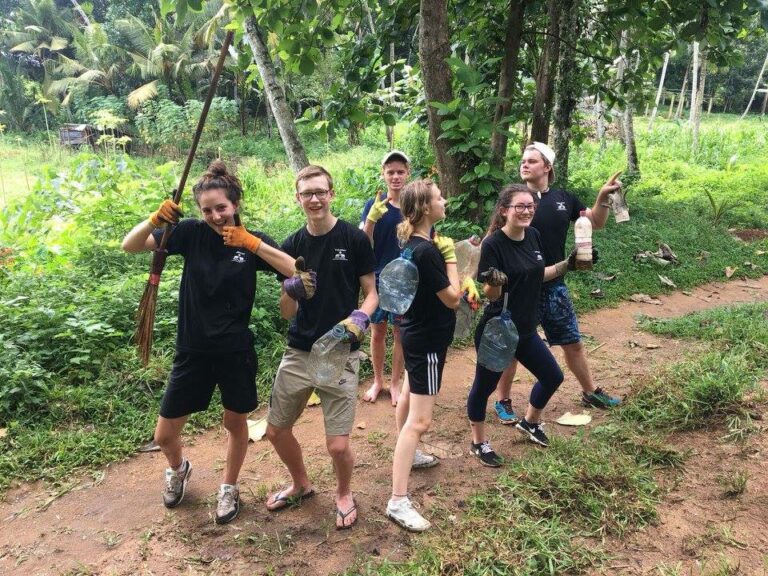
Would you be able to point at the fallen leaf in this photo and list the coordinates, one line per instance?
(633, 344)
(760, 252)
(362, 425)
(597, 293)
(652, 346)
(3, 432)
(256, 429)
(666, 281)
(645, 299)
(730, 271)
(750, 265)
(687, 293)
(605, 277)
(314, 400)
(569, 419)
(703, 256)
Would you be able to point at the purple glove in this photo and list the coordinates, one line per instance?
(302, 284)
(357, 325)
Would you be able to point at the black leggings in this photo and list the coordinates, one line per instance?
(531, 353)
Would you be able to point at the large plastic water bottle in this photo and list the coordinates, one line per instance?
(583, 232)
(468, 256)
(329, 356)
(464, 320)
(498, 342)
(398, 283)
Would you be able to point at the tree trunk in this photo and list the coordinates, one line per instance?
(568, 86)
(694, 83)
(81, 13)
(659, 91)
(757, 85)
(390, 130)
(600, 121)
(765, 102)
(681, 100)
(434, 48)
(671, 106)
(627, 120)
(297, 157)
(545, 76)
(268, 115)
(711, 102)
(507, 81)
(698, 99)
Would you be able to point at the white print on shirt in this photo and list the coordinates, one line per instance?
(538, 255)
(561, 206)
(341, 254)
(239, 257)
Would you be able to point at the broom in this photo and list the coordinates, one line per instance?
(145, 318)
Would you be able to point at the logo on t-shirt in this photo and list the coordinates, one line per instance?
(239, 257)
(341, 254)
(561, 206)
(538, 255)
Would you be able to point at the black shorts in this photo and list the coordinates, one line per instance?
(194, 377)
(425, 370)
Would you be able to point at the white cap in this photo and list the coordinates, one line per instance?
(548, 154)
(395, 155)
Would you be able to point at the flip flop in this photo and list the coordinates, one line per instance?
(283, 500)
(343, 516)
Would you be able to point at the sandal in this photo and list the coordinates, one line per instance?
(281, 500)
(344, 515)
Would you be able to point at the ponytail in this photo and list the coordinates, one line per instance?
(414, 198)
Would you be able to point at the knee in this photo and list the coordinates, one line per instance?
(235, 424)
(338, 447)
(275, 434)
(419, 425)
(165, 438)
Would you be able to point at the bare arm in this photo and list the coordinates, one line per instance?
(451, 295)
(598, 214)
(140, 238)
(368, 228)
(556, 270)
(371, 301)
(492, 292)
(288, 306)
(276, 258)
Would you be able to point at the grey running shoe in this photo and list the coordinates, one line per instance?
(534, 432)
(176, 484)
(404, 514)
(486, 454)
(599, 399)
(227, 503)
(422, 460)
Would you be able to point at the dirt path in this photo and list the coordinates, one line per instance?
(115, 523)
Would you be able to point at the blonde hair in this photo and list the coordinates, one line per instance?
(310, 172)
(506, 196)
(414, 198)
(218, 178)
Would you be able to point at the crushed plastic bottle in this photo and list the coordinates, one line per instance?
(464, 320)
(468, 256)
(398, 283)
(328, 356)
(499, 341)
(582, 229)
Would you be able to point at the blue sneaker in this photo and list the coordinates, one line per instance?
(505, 412)
(599, 399)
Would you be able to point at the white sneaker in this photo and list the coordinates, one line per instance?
(228, 503)
(421, 460)
(176, 484)
(404, 514)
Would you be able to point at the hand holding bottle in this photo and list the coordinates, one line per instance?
(357, 325)
(493, 277)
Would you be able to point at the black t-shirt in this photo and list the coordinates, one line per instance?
(523, 263)
(385, 244)
(428, 324)
(553, 216)
(217, 289)
(339, 257)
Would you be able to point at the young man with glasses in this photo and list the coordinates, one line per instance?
(553, 216)
(341, 256)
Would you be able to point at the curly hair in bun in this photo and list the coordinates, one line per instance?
(217, 177)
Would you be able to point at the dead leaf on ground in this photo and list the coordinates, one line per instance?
(569, 419)
(652, 346)
(597, 293)
(645, 299)
(3, 432)
(750, 265)
(687, 293)
(633, 344)
(256, 429)
(760, 252)
(666, 281)
(314, 400)
(730, 271)
(605, 277)
(361, 425)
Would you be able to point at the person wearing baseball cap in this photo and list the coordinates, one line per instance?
(555, 211)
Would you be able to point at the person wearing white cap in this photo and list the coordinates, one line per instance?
(555, 211)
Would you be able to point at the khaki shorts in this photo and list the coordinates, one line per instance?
(292, 389)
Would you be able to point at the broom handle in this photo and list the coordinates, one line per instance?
(200, 124)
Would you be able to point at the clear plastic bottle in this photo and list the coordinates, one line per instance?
(464, 317)
(398, 283)
(468, 256)
(329, 356)
(583, 232)
(498, 342)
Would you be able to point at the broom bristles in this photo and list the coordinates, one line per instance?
(145, 322)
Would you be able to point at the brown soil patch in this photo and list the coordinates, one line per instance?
(750, 234)
(116, 524)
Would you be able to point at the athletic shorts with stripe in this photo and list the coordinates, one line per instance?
(425, 371)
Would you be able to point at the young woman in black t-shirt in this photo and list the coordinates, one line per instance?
(511, 263)
(214, 345)
(426, 331)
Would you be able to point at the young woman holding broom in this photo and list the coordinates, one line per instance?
(213, 343)
(426, 330)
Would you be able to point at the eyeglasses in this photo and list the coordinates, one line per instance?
(520, 208)
(320, 193)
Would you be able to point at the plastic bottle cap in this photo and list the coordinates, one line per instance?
(339, 331)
